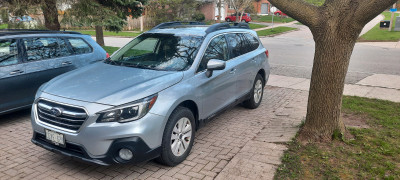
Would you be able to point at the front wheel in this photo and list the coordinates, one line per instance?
(228, 20)
(256, 93)
(243, 20)
(178, 137)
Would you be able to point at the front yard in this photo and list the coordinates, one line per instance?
(378, 34)
(373, 151)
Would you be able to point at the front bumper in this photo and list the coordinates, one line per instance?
(99, 142)
(141, 152)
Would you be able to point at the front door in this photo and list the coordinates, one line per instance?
(264, 8)
(12, 79)
(217, 91)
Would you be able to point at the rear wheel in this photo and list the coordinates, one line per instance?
(243, 20)
(228, 20)
(178, 137)
(256, 93)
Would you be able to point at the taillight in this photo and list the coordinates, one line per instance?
(267, 53)
(107, 55)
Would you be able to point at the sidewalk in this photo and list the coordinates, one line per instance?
(378, 86)
(275, 25)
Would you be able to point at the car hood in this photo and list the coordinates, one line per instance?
(109, 84)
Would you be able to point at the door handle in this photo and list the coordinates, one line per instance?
(232, 71)
(16, 72)
(66, 63)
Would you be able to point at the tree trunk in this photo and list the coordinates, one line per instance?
(50, 14)
(99, 35)
(333, 49)
(219, 11)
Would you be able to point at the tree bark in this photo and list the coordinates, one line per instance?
(99, 35)
(50, 14)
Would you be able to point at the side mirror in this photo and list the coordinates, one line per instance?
(214, 64)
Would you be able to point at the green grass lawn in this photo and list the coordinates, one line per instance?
(110, 33)
(3, 26)
(110, 49)
(277, 19)
(272, 31)
(378, 34)
(371, 153)
(256, 26)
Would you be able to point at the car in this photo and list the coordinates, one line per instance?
(232, 18)
(29, 58)
(279, 13)
(148, 99)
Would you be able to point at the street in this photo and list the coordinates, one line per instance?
(292, 55)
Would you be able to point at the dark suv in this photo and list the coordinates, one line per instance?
(29, 58)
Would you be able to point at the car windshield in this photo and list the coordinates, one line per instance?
(165, 52)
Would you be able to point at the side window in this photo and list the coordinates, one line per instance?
(253, 41)
(44, 48)
(8, 52)
(217, 49)
(79, 46)
(238, 44)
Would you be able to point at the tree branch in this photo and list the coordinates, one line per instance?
(300, 10)
(369, 9)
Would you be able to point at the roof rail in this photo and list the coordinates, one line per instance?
(33, 31)
(177, 23)
(220, 26)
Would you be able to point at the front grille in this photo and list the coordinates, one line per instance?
(59, 115)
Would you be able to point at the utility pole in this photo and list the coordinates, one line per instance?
(391, 19)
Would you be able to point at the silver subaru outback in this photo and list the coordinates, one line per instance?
(148, 99)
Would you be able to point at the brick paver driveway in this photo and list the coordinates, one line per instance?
(239, 143)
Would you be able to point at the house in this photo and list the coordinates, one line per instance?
(262, 7)
(210, 9)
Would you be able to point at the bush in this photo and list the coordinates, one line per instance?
(198, 16)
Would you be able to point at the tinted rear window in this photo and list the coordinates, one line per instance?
(8, 52)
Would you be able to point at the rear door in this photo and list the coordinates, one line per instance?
(12, 79)
(244, 57)
(81, 52)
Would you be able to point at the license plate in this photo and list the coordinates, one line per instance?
(55, 138)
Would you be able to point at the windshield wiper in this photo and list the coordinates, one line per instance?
(138, 66)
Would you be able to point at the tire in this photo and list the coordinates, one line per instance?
(170, 155)
(278, 14)
(244, 21)
(228, 20)
(257, 93)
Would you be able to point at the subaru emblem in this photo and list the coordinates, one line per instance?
(56, 111)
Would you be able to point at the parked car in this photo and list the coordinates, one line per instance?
(30, 58)
(232, 18)
(148, 99)
(279, 13)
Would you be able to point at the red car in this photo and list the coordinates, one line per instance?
(232, 18)
(279, 13)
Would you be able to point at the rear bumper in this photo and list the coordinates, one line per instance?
(141, 152)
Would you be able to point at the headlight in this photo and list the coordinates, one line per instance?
(128, 112)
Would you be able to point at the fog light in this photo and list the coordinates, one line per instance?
(125, 154)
